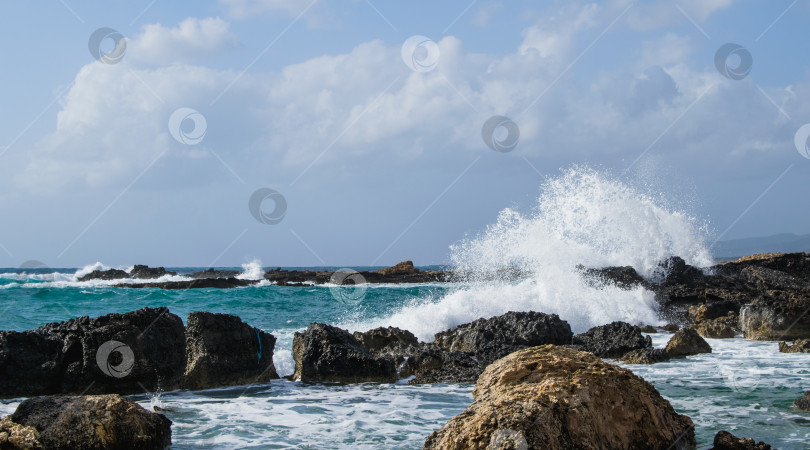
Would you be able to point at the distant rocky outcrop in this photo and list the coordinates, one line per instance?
(92, 422)
(146, 272)
(799, 346)
(687, 342)
(724, 440)
(111, 274)
(137, 272)
(403, 272)
(212, 273)
(612, 340)
(556, 397)
(201, 283)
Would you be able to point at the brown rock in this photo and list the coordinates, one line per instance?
(645, 356)
(671, 327)
(719, 328)
(559, 398)
(687, 342)
(403, 268)
(648, 329)
(724, 440)
(799, 346)
(16, 436)
(803, 402)
(780, 316)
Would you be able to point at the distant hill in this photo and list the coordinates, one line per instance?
(785, 243)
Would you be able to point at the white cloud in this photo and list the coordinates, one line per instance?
(191, 39)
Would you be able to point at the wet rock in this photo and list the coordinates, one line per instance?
(724, 440)
(328, 354)
(555, 397)
(430, 364)
(403, 272)
(648, 329)
(671, 327)
(146, 272)
(16, 436)
(93, 422)
(777, 317)
(675, 271)
(120, 353)
(687, 342)
(221, 350)
(612, 340)
(803, 402)
(211, 273)
(490, 339)
(799, 346)
(645, 356)
(380, 339)
(111, 274)
(624, 277)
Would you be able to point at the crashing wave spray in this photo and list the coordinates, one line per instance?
(582, 217)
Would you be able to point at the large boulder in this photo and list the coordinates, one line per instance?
(115, 353)
(781, 316)
(325, 353)
(686, 342)
(16, 436)
(93, 422)
(496, 337)
(390, 338)
(556, 397)
(799, 346)
(724, 440)
(803, 402)
(612, 340)
(221, 350)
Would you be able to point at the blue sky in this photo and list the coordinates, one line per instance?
(377, 162)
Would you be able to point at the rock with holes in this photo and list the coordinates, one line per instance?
(559, 398)
(16, 436)
(138, 351)
(93, 422)
(221, 350)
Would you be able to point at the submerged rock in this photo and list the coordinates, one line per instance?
(724, 440)
(16, 436)
(555, 397)
(803, 402)
(93, 422)
(221, 350)
(687, 342)
(328, 354)
(645, 356)
(612, 340)
(799, 346)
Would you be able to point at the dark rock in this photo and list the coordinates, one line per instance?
(15, 436)
(403, 272)
(403, 268)
(799, 346)
(380, 339)
(146, 272)
(612, 340)
(211, 273)
(624, 277)
(120, 353)
(94, 422)
(496, 337)
(554, 397)
(430, 364)
(202, 283)
(328, 354)
(111, 274)
(221, 350)
(777, 317)
(648, 329)
(803, 402)
(645, 356)
(794, 264)
(671, 327)
(724, 440)
(687, 342)
(675, 271)
(718, 328)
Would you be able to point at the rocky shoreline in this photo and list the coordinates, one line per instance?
(529, 367)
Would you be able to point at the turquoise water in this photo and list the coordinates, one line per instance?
(745, 387)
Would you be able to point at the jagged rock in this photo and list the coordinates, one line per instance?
(803, 402)
(718, 328)
(211, 273)
(120, 353)
(94, 422)
(612, 340)
(403, 268)
(648, 329)
(555, 397)
(221, 350)
(15, 436)
(724, 440)
(645, 356)
(624, 277)
(795, 264)
(328, 354)
(111, 274)
(687, 342)
(146, 272)
(430, 364)
(778, 317)
(498, 336)
(379, 339)
(799, 346)
(676, 271)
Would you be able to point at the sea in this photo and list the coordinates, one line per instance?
(582, 218)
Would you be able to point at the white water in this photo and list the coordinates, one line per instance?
(252, 271)
(582, 217)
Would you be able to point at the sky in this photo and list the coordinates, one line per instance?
(354, 133)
